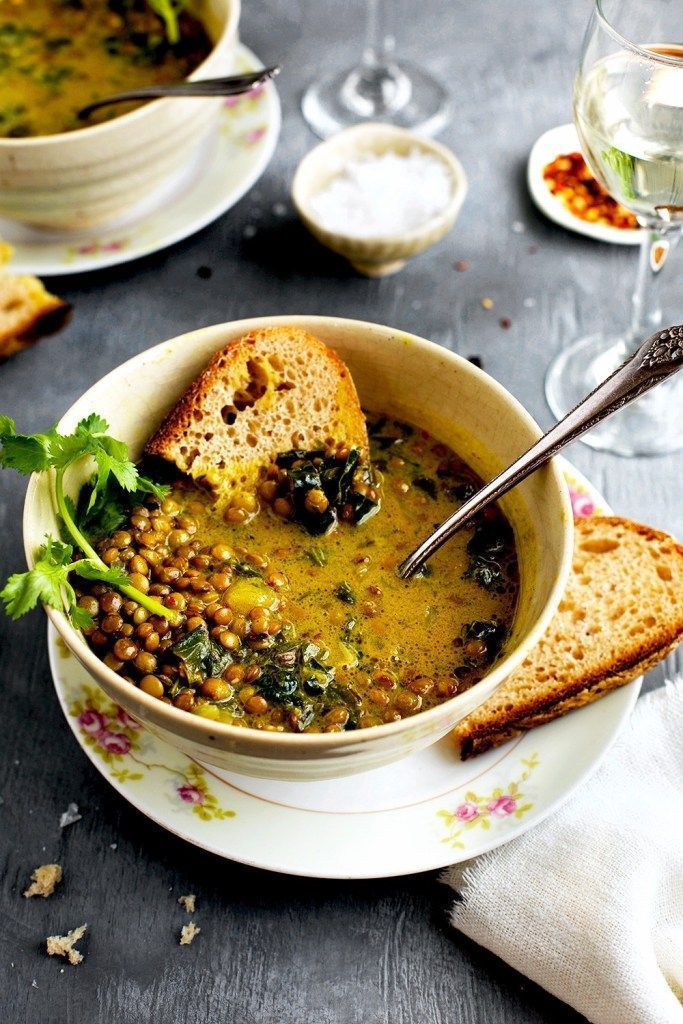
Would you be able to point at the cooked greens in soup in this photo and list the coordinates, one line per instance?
(57, 56)
(291, 628)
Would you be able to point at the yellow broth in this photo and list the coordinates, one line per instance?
(56, 56)
(324, 614)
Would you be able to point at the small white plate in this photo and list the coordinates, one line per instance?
(226, 166)
(421, 813)
(551, 144)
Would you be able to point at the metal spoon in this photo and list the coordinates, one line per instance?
(657, 358)
(231, 86)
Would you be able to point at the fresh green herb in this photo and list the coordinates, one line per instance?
(317, 555)
(48, 583)
(113, 504)
(168, 11)
(47, 580)
(426, 484)
(345, 593)
(624, 165)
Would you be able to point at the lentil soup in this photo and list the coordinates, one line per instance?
(56, 56)
(292, 629)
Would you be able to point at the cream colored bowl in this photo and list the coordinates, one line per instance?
(396, 372)
(379, 255)
(93, 175)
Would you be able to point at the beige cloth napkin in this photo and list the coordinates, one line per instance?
(589, 904)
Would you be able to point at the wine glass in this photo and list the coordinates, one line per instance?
(628, 111)
(380, 88)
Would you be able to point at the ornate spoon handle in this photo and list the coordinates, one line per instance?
(657, 358)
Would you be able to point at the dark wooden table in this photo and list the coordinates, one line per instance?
(277, 950)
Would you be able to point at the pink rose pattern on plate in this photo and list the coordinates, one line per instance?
(116, 738)
(582, 503)
(482, 811)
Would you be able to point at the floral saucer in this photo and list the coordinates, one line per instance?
(227, 165)
(421, 813)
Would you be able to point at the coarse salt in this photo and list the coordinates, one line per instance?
(386, 195)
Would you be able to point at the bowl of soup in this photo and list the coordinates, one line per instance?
(55, 57)
(323, 662)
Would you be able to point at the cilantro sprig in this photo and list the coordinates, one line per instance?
(113, 488)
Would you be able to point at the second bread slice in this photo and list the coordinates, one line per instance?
(622, 612)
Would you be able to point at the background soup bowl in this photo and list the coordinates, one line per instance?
(393, 371)
(92, 175)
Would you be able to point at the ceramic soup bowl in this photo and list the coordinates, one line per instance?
(93, 175)
(395, 372)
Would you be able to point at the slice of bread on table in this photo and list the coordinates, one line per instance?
(621, 614)
(28, 312)
(273, 390)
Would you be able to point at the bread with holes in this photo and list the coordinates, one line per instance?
(265, 393)
(28, 312)
(621, 614)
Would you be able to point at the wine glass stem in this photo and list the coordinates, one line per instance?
(379, 43)
(378, 87)
(658, 242)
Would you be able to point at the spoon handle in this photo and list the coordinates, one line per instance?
(657, 358)
(230, 86)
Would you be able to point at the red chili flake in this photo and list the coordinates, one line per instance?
(505, 322)
(461, 265)
(569, 178)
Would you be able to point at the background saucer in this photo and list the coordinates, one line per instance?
(226, 166)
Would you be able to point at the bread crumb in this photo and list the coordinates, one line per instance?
(69, 816)
(188, 933)
(43, 880)
(487, 303)
(64, 945)
(188, 902)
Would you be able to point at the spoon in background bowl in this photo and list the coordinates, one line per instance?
(657, 359)
(233, 85)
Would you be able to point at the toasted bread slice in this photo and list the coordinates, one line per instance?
(27, 312)
(621, 614)
(273, 390)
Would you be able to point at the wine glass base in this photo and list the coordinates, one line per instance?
(405, 96)
(652, 425)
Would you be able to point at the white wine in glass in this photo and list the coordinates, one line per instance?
(629, 116)
(628, 111)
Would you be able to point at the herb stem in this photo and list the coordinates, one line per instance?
(150, 603)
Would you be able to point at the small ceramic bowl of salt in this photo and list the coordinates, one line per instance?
(378, 195)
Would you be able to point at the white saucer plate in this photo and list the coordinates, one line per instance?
(550, 145)
(224, 168)
(424, 812)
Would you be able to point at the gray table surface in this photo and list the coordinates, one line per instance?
(274, 950)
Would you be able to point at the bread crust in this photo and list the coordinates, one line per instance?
(509, 712)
